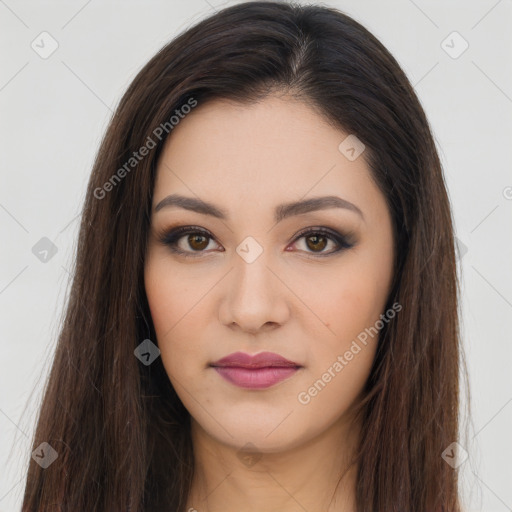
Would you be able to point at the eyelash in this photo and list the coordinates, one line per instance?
(170, 239)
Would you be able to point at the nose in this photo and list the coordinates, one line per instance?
(255, 300)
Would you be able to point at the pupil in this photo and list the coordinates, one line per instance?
(197, 239)
(316, 238)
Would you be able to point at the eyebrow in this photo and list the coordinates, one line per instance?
(281, 211)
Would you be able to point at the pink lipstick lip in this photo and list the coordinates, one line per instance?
(260, 371)
(255, 378)
(261, 360)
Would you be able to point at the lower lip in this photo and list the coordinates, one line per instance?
(255, 378)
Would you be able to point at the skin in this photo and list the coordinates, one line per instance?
(291, 300)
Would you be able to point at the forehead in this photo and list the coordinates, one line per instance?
(278, 148)
(274, 130)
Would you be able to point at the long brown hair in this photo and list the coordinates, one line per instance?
(120, 431)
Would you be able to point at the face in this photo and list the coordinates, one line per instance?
(250, 271)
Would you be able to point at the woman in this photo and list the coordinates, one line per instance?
(263, 314)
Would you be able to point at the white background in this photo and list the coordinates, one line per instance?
(54, 112)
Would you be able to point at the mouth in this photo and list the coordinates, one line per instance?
(255, 372)
(255, 378)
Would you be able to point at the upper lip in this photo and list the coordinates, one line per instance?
(261, 360)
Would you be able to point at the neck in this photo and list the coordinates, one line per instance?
(315, 476)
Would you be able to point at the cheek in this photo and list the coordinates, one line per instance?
(340, 362)
(341, 359)
(171, 296)
(177, 306)
(168, 309)
(347, 305)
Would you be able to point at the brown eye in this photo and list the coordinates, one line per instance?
(198, 242)
(193, 241)
(316, 242)
(187, 240)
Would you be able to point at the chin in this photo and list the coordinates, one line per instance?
(264, 436)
